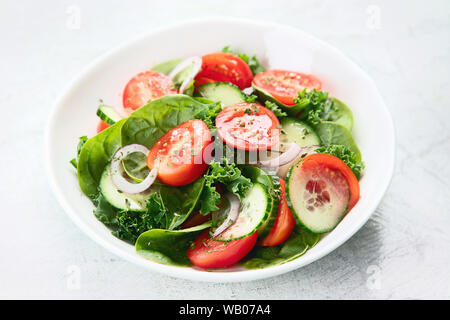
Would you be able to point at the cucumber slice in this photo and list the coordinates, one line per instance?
(270, 180)
(317, 195)
(120, 200)
(108, 114)
(254, 210)
(293, 130)
(223, 92)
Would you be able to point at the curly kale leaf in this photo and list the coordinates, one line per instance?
(318, 106)
(209, 114)
(347, 156)
(131, 224)
(275, 109)
(230, 177)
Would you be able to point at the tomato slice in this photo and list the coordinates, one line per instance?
(208, 253)
(284, 85)
(225, 67)
(284, 222)
(248, 126)
(102, 125)
(144, 87)
(180, 153)
(335, 163)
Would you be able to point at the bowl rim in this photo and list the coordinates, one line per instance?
(190, 273)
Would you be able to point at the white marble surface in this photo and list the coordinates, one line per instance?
(402, 252)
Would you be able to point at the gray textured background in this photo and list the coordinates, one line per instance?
(402, 252)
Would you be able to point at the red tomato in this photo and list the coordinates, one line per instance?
(284, 85)
(335, 163)
(226, 67)
(180, 153)
(146, 86)
(284, 222)
(202, 80)
(248, 126)
(102, 125)
(208, 253)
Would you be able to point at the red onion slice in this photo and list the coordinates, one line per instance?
(282, 171)
(248, 91)
(195, 62)
(232, 216)
(116, 170)
(288, 156)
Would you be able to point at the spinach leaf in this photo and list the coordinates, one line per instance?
(346, 155)
(147, 124)
(167, 66)
(179, 202)
(168, 246)
(252, 61)
(341, 114)
(81, 142)
(298, 243)
(95, 155)
(331, 133)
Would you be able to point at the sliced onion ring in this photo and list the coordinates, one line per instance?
(288, 156)
(196, 63)
(232, 216)
(116, 170)
(248, 91)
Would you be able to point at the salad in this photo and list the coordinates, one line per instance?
(214, 161)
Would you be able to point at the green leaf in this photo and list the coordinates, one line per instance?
(168, 246)
(81, 142)
(275, 109)
(94, 155)
(131, 224)
(147, 124)
(229, 175)
(319, 108)
(331, 133)
(346, 155)
(167, 66)
(179, 202)
(105, 213)
(298, 243)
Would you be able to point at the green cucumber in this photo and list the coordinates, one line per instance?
(108, 114)
(120, 200)
(317, 195)
(293, 130)
(224, 92)
(271, 181)
(254, 210)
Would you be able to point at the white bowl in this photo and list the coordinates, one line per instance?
(277, 46)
